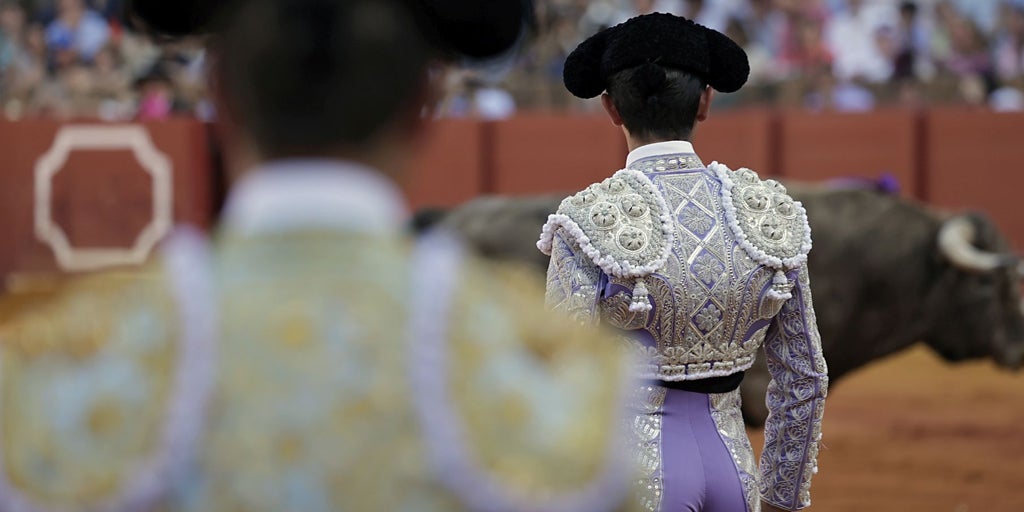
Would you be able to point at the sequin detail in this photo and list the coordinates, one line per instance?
(622, 225)
(710, 312)
(767, 222)
(572, 281)
(668, 163)
(718, 298)
(725, 411)
(647, 402)
(796, 398)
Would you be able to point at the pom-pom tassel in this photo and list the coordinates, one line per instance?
(641, 298)
(782, 287)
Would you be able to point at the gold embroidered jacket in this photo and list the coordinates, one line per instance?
(319, 368)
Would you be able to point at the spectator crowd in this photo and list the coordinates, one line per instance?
(77, 58)
(848, 55)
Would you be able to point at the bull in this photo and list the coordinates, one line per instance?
(886, 273)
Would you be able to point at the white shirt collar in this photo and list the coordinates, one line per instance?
(291, 195)
(672, 147)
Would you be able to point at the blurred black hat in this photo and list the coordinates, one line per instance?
(475, 29)
(662, 39)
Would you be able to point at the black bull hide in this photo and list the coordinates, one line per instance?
(880, 277)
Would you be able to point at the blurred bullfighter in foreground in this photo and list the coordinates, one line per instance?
(342, 368)
(696, 266)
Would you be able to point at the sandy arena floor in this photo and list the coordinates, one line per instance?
(913, 434)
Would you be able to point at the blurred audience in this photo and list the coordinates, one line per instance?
(77, 59)
(74, 59)
(1008, 60)
(76, 34)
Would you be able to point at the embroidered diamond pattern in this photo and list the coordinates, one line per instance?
(701, 194)
(708, 269)
(708, 317)
(671, 192)
(696, 220)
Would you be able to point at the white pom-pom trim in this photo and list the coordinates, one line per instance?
(725, 176)
(621, 268)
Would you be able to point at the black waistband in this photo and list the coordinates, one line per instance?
(713, 385)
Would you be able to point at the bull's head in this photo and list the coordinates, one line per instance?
(981, 313)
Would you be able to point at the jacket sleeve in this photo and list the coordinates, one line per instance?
(796, 401)
(573, 281)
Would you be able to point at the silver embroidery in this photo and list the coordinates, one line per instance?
(702, 294)
(771, 224)
(725, 410)
(621, 218)
(708, 269)
(665, 163)
(615, 311)
(718, 298)
(708, 318)
(647, 402)
(796, 399)
(572, 281)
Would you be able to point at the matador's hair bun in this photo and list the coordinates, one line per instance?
(462, 28)
(662, 39)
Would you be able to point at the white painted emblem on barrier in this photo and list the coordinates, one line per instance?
(111, 138)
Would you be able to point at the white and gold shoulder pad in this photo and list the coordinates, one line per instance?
(622, 224)
(768, 223)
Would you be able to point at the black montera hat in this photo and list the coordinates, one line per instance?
(663, 39)
(476, 29)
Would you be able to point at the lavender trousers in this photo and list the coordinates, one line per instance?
(695, 470)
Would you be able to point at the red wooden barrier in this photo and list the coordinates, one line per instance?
(98, 189)
(976, 161)
(104, 197)
(738, 139)
(544, 153)
(825, 146)
(449, 167)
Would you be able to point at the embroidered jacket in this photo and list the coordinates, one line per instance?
(700, 266)
(311, 360)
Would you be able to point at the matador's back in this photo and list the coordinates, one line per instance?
(698, 267)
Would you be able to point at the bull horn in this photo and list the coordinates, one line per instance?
(956, 241)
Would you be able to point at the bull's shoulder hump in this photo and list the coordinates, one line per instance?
(621, 223)
(769, 224)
